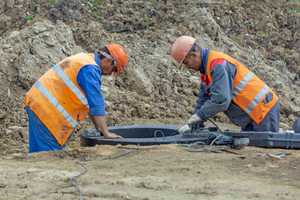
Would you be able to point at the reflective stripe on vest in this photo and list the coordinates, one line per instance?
(242, 84)
(257, 99)
(60, 72)
(55, 103)
(248, 90)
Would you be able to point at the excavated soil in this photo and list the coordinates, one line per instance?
(36, 34)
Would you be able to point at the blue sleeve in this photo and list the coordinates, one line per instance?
(89, 79)
(202, 97)
(220, 91)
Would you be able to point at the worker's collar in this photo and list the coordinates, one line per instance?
(97, 58)
(204, 56)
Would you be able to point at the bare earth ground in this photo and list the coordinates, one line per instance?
(165, 172)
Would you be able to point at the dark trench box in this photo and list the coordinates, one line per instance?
(138, 135)
(168, 134)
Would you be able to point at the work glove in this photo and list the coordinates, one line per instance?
(185, 128)
(193, 123)
(194, 119)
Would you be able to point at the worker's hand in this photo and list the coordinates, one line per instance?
(184, 129)
(110, 135)
(194, 119)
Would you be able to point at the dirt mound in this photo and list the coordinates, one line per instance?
(26, 55)
(264, 36)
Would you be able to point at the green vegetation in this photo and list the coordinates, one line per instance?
(294, 10)
(95, 7)
(28, 18)
(296, 7)
(52, 2)
(95, 2)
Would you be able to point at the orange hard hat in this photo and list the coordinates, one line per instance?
(119, 55)
(181, 48)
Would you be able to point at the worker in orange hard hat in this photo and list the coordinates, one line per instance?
(67, 93)
(227, 86)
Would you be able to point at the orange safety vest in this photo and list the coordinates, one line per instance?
(249, 91)
(57, 99)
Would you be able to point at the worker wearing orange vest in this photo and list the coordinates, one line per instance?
(227, 86)
(67, 93)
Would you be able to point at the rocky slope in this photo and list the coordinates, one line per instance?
(35, 34)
